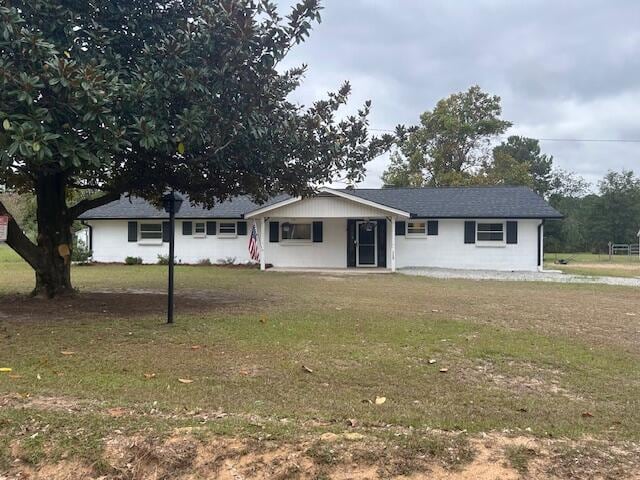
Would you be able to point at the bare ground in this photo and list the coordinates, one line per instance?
(129, 303)
(190, 453)
(183, 456)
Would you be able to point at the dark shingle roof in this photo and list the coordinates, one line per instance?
(135, 207)
(461, 202)
(428, 202)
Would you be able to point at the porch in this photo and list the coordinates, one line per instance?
(332, 271)
(333, 231)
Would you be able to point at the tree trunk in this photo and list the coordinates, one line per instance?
(53, 272)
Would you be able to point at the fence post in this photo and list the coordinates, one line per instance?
(610, 253)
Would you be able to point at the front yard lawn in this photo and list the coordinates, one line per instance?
(261, 360)
(591, 264)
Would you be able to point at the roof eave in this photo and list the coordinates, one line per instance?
(364, 201)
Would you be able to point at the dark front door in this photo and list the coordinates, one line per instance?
(366, 244)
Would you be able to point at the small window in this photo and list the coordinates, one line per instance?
(490, 232)
(296, 231)
(416, 228)
(151, 231)
(199, 229)
(227, 228)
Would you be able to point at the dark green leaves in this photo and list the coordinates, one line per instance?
(138, 96)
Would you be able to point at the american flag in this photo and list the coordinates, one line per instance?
(254, 250)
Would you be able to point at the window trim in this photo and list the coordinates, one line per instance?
(416, 234)
(149, 241)
(197, 234)
(222, 234)
(296, 240)
(490, 243)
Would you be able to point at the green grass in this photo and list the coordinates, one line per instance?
(7, 255)
(522, 357)
(519, 456)
(590, 264)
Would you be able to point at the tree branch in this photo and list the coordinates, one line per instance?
(19, 242)
(87, 204)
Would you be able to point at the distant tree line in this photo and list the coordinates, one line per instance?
(594, 219)
(454, 144)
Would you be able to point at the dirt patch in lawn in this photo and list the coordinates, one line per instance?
(340, 457)
(120, 304)
(385, 452)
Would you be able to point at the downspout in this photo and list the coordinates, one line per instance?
(541, 246)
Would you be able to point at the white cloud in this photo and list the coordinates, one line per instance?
(563, 69)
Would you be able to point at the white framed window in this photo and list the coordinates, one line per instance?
(227, 229)
(417, 228)
(300, 232)
(151, 232)
(490, 232)
(199, 230)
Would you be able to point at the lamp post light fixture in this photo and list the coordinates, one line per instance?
(171, 203)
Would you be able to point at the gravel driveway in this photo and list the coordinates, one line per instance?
(518, 276)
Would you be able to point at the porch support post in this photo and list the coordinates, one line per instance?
(393, 243)
(262, 244)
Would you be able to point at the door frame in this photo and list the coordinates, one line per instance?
(375, 244)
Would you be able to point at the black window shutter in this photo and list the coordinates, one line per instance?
(274, 234)
(382, 243)
(400, 228)
(166, 226)
(432, 227)
(512, 232)
(211, 228)
(242, 228)
(469, 232)
(133, 231)
(187, 228)
(351, 243)
(316, 234)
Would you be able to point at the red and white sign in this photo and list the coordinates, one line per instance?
(4, 228)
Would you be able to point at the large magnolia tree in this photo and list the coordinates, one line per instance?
(141, 96)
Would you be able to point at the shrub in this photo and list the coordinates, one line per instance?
(163, 259)
(133, 261)
(204, 261)
(227, 261)
(81, 255)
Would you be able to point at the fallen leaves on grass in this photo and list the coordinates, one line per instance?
(149, 376)
(6, 369)
(444, 370)
(380, 400)
(196, 347)
(67, 352)
(587, 414)
(307, 369)
(185, 380)
(432, 361)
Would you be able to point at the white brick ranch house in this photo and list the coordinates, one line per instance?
(497, 228)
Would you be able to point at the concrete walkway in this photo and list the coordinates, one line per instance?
(331, 271)
(550, 276)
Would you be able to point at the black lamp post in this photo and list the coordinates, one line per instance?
(171, 203)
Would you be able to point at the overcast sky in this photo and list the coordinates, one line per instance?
(564, 69)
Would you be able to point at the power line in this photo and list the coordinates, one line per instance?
(591, 140)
